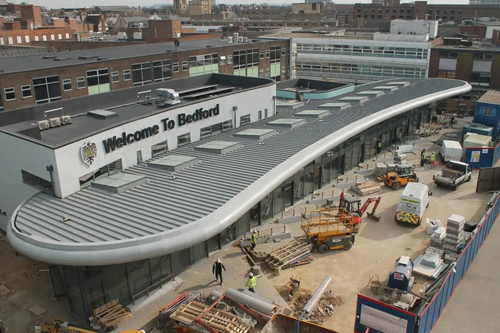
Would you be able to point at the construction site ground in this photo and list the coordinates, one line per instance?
(377, 246)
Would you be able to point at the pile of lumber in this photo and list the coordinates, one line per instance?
(292, 254)
(194, 313)
(110, 314)
(366, 187)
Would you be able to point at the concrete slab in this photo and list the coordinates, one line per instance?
(37, 310)
(4, 290)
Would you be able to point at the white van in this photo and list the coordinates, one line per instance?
(451, 151)
(412, 204)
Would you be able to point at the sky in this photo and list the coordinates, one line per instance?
(91, 3)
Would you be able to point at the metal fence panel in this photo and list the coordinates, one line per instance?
(381, 317)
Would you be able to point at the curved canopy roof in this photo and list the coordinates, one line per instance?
(168, 214)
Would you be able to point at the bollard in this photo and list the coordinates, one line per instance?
(293, 210)
(322, 195)
(333, 191)
(282, 213)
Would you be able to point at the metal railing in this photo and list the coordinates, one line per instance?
(154, 286)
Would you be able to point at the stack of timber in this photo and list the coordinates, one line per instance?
(366, 187)
(294, 253)
(198, 314)
(110, 314)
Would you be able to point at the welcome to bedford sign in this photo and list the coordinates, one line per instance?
(117, 142)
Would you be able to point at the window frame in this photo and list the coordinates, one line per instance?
(185, 66)
(23, 89)
(12, 90)
(113, 74)
(174, 66)
(65, 82)
(127, 73)
(79, 80)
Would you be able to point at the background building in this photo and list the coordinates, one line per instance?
(32, 80)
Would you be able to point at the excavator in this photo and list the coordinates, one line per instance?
(59, 326)
(353, 206)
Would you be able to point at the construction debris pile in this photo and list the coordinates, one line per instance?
(295, 253)
(324, 309)
(366, 187)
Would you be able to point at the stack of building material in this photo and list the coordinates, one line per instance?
(110, 314)
(380, 170)
(194, 313)
(437, 238)
(453, 241)
(294, 253)
(366, 187)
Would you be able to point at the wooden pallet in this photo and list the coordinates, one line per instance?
(366, 188)
(221, 321)
(299, 262)
(111, 314)
(287, 254)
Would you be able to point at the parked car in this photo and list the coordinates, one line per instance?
(453, 175)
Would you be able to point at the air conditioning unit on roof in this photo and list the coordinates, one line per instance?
(55, 122)
(43, 125)
(66, 120)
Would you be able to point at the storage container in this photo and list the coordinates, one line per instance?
(473, 140)
(478, 129)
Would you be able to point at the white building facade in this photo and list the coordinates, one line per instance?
(121, 146)
(362, 59)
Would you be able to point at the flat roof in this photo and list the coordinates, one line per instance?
(167, 215)
(37, 62)
(126, 107)
(491, 96)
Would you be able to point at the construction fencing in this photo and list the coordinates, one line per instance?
(427, 318)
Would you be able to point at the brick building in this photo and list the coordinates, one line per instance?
(31, 80)
(472, 62)
(420, 10)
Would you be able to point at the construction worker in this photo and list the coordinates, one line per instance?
(379, 146)
(217, 269)
(433, 158)
(253, 240)
(252, 282)
(423, 155)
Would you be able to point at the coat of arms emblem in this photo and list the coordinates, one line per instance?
(88, 152)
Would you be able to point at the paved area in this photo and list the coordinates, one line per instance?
(200, 278)
(475, 303)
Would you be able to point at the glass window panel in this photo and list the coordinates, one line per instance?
(114, 280)
(180, 260)
(199, 252)
(138, 275)
(160, 268)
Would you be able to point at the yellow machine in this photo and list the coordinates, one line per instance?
(329, 229)
(401, 176)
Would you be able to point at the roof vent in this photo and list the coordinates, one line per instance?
(313, 114)
(174, 162)
(102, 114)
(335, 106)
(254, 133)
(49, 56)
(102, 58)
(167, 96)
(62, 58)
(218, 147)
(88, 57)
(287, 122)
(119, 182)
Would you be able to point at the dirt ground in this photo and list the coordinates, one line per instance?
(379, 244)
(29, 285)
